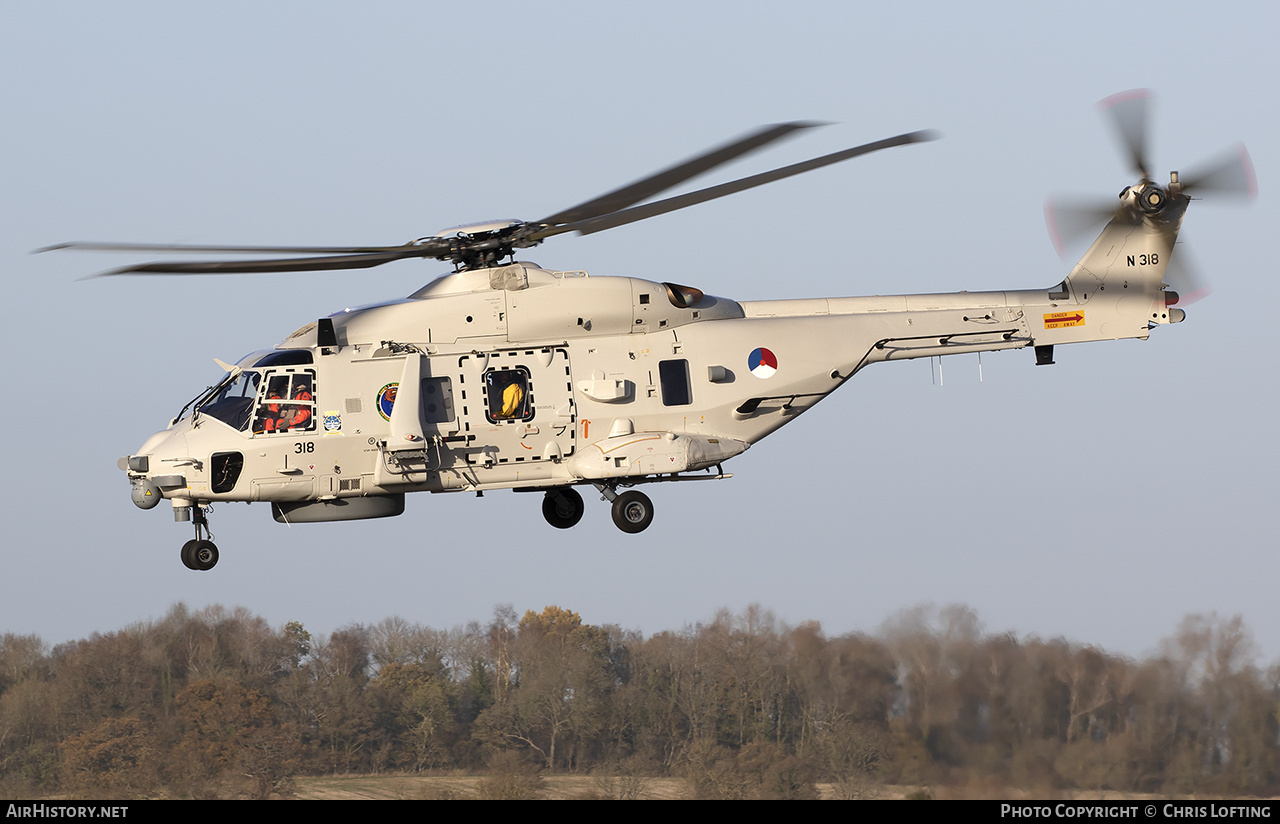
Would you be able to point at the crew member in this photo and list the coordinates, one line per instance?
(301, 414)
(512, 397)
(269, 418)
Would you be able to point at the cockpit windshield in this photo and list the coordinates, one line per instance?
(232, 400)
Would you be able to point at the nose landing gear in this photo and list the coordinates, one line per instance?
(200, 554)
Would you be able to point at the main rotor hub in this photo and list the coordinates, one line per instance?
(479, 245)
(473, 229)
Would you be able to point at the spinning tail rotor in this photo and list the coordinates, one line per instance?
(1228, 176)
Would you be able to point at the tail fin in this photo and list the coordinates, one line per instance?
(1119, 288)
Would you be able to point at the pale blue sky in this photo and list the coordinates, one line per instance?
(1100, 499)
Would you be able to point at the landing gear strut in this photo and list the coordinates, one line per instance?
(562, 508)
(200, 554)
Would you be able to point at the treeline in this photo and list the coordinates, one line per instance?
(217, 703)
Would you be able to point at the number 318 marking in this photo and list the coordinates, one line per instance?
(304, 446)
(1144, 260)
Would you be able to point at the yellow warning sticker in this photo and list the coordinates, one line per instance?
(1061, 320)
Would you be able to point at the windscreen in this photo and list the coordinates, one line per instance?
(233, 401)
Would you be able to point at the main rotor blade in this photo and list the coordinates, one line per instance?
(239, 267)
(661, 207)
(1231, 175)
(1128, 111)
(646, 188)
(179, 248)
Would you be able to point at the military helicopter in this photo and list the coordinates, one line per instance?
(505, 375)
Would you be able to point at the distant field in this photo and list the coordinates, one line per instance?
(554, 788)
(559, 787)
(582, 787)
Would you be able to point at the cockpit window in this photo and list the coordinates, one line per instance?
(232, 403)
(287, 402)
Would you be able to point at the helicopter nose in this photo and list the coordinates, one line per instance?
(147, 488)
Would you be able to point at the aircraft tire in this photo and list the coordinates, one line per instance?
(632, 512)
(563, 508)
(188, 554)
(204, 556)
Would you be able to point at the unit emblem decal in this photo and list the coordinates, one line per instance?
(387, 400)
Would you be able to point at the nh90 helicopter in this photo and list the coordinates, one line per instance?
(505, 375)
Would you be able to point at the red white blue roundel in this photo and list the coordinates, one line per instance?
(762, 363)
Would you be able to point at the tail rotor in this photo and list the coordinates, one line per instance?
(1229, 176)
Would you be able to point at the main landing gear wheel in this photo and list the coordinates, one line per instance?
(199, 555)
(632, 511)
(562, 508)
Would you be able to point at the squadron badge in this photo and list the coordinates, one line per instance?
(387, 400)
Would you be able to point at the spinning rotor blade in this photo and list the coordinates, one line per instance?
(646, 188)
(1185, 278)
(244, 250)
(484, 244)
(661, 207)
(1231, 175)
(1128, 111)
(1070, 222)
(241, 267)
